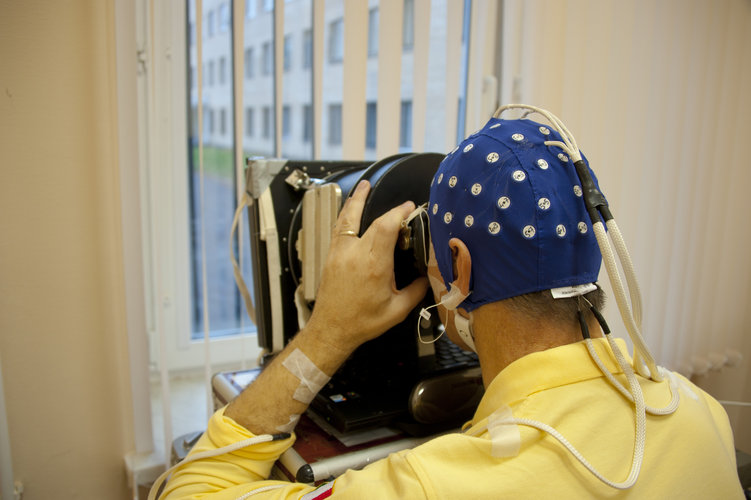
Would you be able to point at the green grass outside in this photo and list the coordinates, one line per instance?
(217, 162)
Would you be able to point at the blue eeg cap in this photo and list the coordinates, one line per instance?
(517, 204)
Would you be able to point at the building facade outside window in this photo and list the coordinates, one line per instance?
(301, 130)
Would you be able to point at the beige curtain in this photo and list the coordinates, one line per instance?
(657, 95)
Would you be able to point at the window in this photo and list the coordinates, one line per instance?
(405, 125)
(249, 122)
(307, 123)
(210, 24)
(287, 52)
(336, 41)
(222, 70)
(250, 68)
(373, 32)
(251, 7)
(268, 59)
(224, 18)
(307, 49)
(408, 25)
(335, 124)
(302, 132)
(286, 121)
(370, 125)
(223, 121)
(266, 122)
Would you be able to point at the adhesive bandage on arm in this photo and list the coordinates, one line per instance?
(289, 426)
(311, 378)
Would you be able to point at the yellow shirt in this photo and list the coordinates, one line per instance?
(688, 454)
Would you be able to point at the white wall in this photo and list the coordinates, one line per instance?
(62, 309)
(657, 95)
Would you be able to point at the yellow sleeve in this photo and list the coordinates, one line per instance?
(243, 473)
(214, 477)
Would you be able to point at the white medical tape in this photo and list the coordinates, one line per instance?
(289, 426)
(311, 378)
(504, 434)
(572, 291)
(464, 329)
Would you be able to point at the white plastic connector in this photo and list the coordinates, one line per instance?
(734, 357)
(700, 365)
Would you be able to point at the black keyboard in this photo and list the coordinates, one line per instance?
(449, 355)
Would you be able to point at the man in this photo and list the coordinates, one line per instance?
(508, 225)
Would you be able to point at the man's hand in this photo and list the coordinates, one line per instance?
(357, 299)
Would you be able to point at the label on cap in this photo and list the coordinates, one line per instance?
(573, 291)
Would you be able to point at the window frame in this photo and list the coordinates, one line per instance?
(165, 219)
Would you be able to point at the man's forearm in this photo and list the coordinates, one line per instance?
(268, 404)
(357, 300)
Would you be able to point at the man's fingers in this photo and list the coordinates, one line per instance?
(349, 217)
(388, 225)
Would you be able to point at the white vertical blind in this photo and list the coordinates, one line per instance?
(420, 74)
(160, 313)
(657, 103)
(319, 7)
(389, 76)
(454, 20)
(278, 71)
(480, 64)
(238, 72)
(354, 73)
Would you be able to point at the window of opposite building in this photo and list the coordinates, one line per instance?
(268, 59)
(287, 52)
(250, 67)
(249, 122)
(370, 125)
(307, 130)
(336, 41)
(373, 32)
(335, 124)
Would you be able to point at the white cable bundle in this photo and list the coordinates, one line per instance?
(644, 362)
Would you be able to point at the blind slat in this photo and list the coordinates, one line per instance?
(354, 77)
(420, 79)
(454, 20)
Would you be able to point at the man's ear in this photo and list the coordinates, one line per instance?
(462, 264)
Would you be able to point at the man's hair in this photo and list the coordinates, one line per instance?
(542, 306)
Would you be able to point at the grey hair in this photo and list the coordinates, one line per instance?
(542, 306)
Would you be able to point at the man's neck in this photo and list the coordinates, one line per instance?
(503, 335)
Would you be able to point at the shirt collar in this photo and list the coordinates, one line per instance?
(546, 369)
